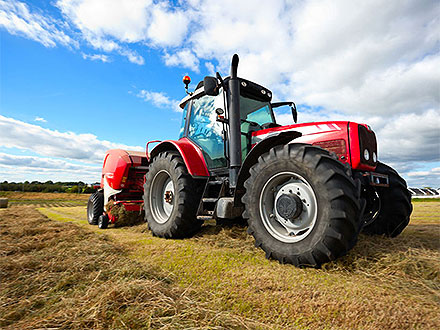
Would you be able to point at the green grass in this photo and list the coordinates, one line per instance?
(428, 200)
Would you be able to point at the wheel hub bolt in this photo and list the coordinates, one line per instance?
(168, 196)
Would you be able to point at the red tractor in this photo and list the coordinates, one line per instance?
(306, 190)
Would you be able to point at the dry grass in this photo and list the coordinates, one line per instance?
(124, 277)
(382, 283)
(58, 275)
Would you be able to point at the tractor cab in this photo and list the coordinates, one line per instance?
(205, 118)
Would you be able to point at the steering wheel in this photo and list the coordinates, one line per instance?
(250, 122)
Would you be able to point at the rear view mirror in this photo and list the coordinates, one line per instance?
(292, 108)
(210, 86)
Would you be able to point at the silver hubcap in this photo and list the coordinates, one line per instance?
(288, 207)
(162, 196)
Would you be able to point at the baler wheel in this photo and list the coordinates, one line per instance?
(103, 221)
(171, 198)
(95, 207)
(395, 205)
(302, 206)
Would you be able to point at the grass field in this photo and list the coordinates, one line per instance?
(65, 273)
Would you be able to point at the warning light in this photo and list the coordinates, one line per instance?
(186, 81)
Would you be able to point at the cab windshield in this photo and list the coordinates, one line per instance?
(255, 111)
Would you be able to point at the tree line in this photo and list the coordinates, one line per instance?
(48, 186)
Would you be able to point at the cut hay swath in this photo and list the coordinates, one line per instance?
(123, 216)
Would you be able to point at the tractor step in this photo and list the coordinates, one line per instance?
(209, 200)
(213, 183)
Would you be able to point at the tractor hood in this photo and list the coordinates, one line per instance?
(353, 143)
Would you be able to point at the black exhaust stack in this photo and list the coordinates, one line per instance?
(234, 124)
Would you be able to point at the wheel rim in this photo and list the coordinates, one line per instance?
(297, 227)
(162, 196)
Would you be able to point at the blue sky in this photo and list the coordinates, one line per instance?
(79, 77)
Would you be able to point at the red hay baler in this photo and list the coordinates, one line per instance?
(306, 190)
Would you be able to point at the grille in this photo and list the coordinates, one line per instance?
(367, 140)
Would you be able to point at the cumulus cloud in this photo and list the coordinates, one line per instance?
(430, 178)
(160, 100)
(43, 163)
(373, 61)
(167, 27)
(18, 19)
(126, 21)
(184, 58)
(46, 142)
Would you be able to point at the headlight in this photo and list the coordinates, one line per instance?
(374, 157)
(366, 155)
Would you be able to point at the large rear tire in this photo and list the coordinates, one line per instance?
(302, 205)
(395, 205)
(171, 198)
(95, 207)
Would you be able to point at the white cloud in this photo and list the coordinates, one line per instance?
(41, 119)
(211, 68)
(160, 100)
(372, 61)
(43, 163)
(429, 178)
(96, 57)
(410, 137)
(46, 142)
(167, 27)
(125, 21)
(183, 58)
(17, 19)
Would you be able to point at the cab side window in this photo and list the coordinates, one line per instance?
(206, 131)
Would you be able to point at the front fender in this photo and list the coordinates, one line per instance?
(191, 155)
(260, 148)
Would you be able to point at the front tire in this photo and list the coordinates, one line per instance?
(302, 206)
(95, 207)
(395, 205)
(171, 198)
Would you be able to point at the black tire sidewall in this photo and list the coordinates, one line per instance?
(95, 204)
(323, 205)
(182, 221)
(161, 164)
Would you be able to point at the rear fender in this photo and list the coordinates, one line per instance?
(191, 155)
(280, 138)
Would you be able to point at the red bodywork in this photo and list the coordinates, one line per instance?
(125, 170)
(341, 137)
(192, 155)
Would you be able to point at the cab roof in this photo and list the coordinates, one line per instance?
(247, 88)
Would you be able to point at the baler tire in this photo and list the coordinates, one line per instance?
(103, 221)
(337, 206)
(395, 205)
(95, 207)
(187, 192)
